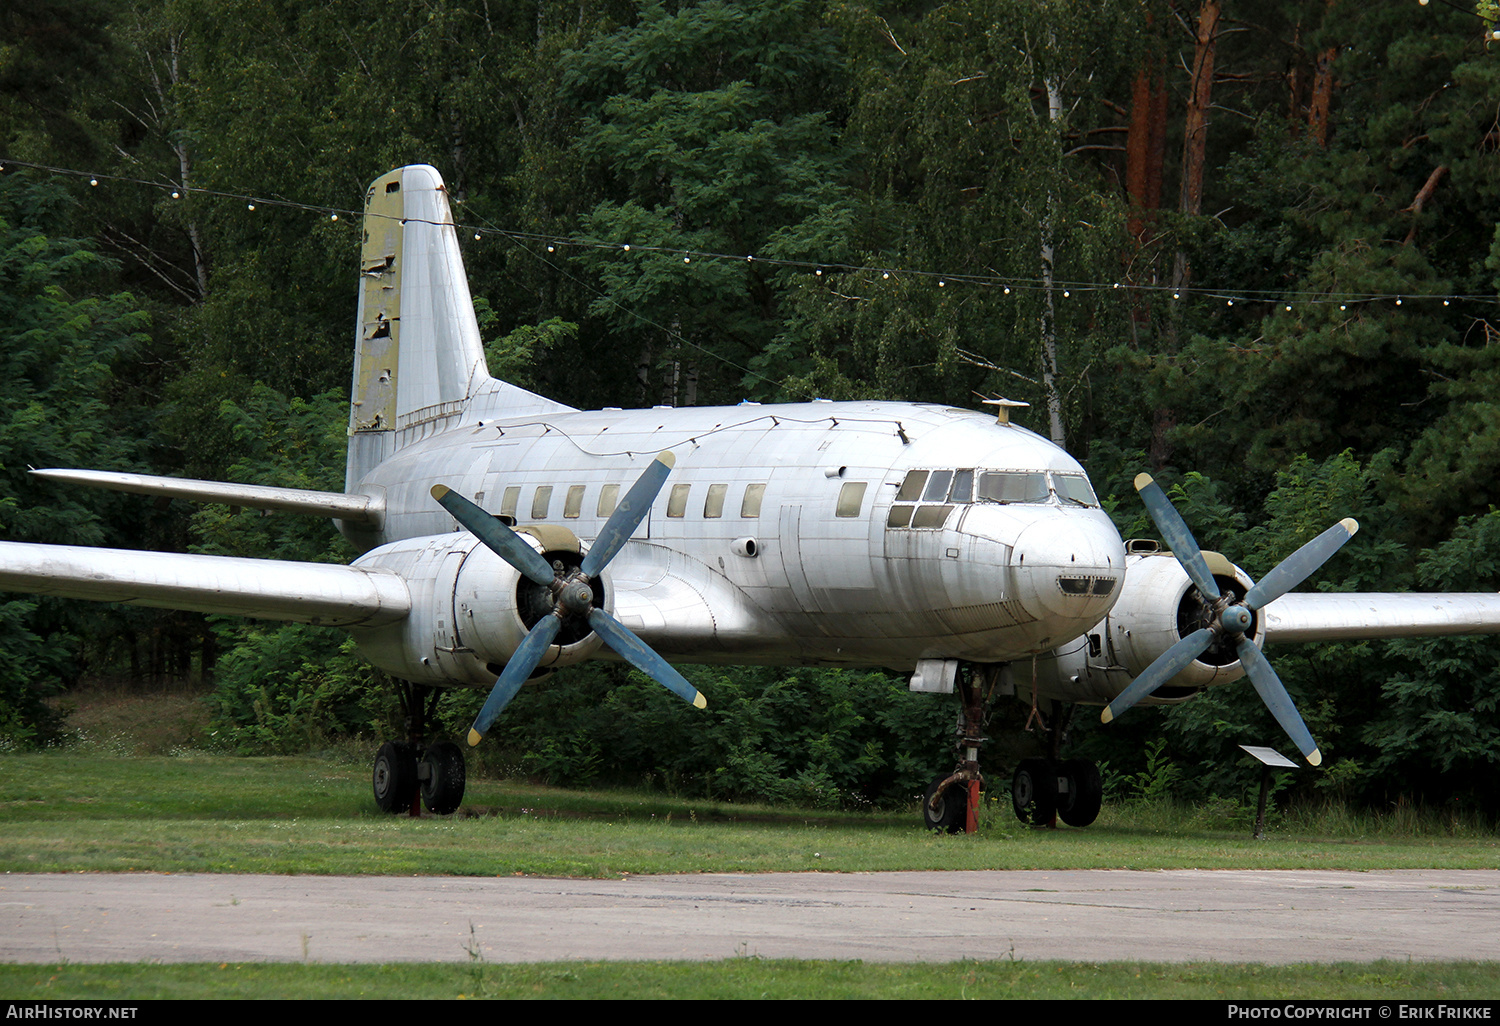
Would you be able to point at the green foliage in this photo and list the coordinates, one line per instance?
(822, 738)
(292, 689)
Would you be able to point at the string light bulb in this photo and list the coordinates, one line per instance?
(249, 206)
(176, 194)
(93, 181)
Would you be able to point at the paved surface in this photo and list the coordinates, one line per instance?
(884, 917)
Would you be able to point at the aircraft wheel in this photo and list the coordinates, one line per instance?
(1033, 791)
(952, 808)
(395, 776)
(1080, 806)
(443, 783)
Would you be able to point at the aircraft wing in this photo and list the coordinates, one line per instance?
(1346, 616)
(268, 589)
(360, 509)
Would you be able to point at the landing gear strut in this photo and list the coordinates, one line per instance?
(410, 773)
(951, 802)
(1046, 790)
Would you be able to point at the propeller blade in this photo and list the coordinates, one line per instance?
(1300, 565)
(1164, 668)
(527, 654)
(628, 515)
(501, 540)
(1175, 533)
(639, 654)
(1273, 693)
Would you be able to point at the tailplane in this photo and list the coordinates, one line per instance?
(418, 356)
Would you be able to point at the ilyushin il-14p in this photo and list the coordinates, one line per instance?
(504, 535)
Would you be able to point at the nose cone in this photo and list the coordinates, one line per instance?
(1067, 566)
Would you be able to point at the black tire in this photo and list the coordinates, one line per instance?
(1033, 791)
(1080, 806)
(395, 777)
(951, 814)
(444, 778)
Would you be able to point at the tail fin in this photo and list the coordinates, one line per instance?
(418, 357)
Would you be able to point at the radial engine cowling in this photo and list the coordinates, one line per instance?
(1157, 606)
(470, 609)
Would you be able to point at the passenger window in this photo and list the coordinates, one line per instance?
(609, 497)
(574, 503)
(850, 498)
(540, 501)
(509, 501)
(677, 501)
(937, 486)
(750, 507)
(911, 488)
(713, 506)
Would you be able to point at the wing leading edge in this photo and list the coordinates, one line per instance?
(320, 593)
(1350, 616)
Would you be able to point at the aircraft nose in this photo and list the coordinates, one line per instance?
(1069, 566)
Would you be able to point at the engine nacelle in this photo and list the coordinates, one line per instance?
(1157, 607)
(470, 608)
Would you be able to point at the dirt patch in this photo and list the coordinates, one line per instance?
(135, 722)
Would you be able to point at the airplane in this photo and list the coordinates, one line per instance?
(504, 535)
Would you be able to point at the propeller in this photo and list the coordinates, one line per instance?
(1231, 618)
(572, 592)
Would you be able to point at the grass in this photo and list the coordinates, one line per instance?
(64, 811)
(758, 978)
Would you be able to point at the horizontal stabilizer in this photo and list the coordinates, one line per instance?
(1351, 616)
(359, 509)
(269, 589)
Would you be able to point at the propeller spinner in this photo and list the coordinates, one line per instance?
(1231, 618)
(572, 592)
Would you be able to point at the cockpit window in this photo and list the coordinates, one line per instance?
(937, 486)
(1074, 488)
(1013, 486)
(963, 486)
(911, 487)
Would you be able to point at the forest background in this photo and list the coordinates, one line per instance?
(1248, 245)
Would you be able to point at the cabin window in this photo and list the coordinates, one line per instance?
(609, 497)
(713, 506)
(509, 501)
(540, 501)
(574, 502)
(850, 498)
(677, 501)
(753, 495)
(911, 488)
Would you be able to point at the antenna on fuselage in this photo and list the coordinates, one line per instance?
(1002, 406)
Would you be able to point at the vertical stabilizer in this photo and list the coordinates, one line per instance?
(418, 357)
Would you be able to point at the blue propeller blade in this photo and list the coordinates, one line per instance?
(639, 654)
(1162, 669)
(1177, 536)
(1273, 693)
(1300, 565)
(628, 514)
(527, 654)
(501, 540)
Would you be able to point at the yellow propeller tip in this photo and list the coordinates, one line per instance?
(1315, 758)
(438, 491)
(1351, 525)
(665, 456)
(1106, 716)
(474, 737)
(700, 702)
(1141, 481)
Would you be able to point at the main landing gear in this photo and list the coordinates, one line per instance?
(409, 774)
(1042, 790)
